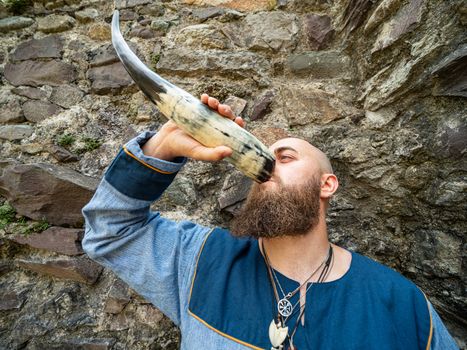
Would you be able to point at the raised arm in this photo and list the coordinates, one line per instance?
(155, 256)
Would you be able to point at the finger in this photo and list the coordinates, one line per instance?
(226, 111)
(240, 122)
(210, 154)
(204, 98)
(213, 102)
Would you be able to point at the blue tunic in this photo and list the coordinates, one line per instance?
(371, 304)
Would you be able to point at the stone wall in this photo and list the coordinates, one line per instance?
(379, 85)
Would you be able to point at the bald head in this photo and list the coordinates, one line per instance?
(304, 149)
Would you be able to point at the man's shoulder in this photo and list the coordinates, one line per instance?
(374, 272)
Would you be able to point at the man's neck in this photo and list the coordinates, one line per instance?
(298, 256)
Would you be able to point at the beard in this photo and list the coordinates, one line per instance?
(283, 211)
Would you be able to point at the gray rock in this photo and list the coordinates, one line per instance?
(119, 296)
(81, 269)
(55, 239)
(36, 111)
(242, 5)
(181, 192)
(13, 23)
(435, 245)
(62, 154)
(234, 192)
(36, 73)
(235, 64)
(320, 65)
(355, 13)
(451, 74)
(201, 36)
(15, 132)
(127, 15)
(109, 79)
(404, 21)
(47, 191)
(66, 95)
(48, 47)
(318, 30)
(86, 15)
(160, 25)
(105, 55)
(11, 112)
(380, 117)
(303, 105)
(209, 12)
(10, 300)
(262, 105)
(153, 9)
(384, 8)
(30, 92)
(237, 104)
(265, 31)
(55, 23)
(142, 32)
(121, 4)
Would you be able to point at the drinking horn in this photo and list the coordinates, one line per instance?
(206, 126)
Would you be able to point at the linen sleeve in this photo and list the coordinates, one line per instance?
(441, 340)
(152, 254)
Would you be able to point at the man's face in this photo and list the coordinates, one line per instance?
(289, 203)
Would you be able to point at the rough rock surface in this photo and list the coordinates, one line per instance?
(56, 239)
(379, 86)
(37, 73)
(46, 191)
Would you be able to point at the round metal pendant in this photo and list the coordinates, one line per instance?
(285, 307)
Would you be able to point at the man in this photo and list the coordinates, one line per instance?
(275, 282)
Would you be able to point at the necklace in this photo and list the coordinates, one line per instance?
(278, 332)
(284, 306)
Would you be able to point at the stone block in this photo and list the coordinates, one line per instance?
(15, 132)
(56, 239)
(55, 23)
(262, 105)
(80, 269)
(36, 111)
(320, 65)
(14, 23)
(99, 32)
(48, 47)
(86, 15)
(318, 31)
(37, 73)
(46, 191)
(122, 4)
(11, 300)
(109, 79)
(61, 154)
(30, 92)
(241, 5)
(236, 104)
(66, 96)
(11, 112)
(234, 192)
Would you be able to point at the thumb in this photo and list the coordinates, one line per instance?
(210, 154)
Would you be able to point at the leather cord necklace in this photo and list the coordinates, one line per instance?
(278, 332)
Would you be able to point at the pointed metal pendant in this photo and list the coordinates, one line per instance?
(277, 334)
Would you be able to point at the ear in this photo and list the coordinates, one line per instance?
(329, 185)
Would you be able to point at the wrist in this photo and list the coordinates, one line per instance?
(156, 147)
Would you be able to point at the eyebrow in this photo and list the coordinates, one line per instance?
(284, 148)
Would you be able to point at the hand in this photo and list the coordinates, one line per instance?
(171, 142)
